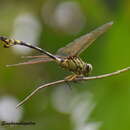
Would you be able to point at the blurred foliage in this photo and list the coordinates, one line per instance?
(109, 53)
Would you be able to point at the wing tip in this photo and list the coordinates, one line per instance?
(19, 64)
(12, 65)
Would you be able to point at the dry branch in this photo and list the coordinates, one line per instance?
(78, 79)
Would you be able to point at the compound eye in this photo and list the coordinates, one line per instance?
(88, 68)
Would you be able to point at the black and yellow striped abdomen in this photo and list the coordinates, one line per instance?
(76, 65)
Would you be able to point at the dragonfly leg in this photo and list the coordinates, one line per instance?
(71, 77)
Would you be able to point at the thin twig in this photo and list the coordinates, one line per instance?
(78, 79)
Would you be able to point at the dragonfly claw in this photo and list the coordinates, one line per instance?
(72, 77)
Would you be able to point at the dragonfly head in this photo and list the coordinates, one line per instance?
(87, 69)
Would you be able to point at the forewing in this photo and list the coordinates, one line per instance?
(38, 56)
(34, 61)
(77, 46)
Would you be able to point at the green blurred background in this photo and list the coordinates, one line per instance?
(93, 105)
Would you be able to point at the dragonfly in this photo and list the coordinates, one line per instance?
(67, 57)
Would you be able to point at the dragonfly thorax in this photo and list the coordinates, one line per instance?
(76, 65)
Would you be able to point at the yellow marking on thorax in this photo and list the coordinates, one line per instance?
(73, 64)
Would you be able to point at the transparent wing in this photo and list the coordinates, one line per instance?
(38, 56)
(34, 61)
(41, 56)
(77, 46)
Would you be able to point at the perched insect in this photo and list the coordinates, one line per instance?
(68, 56)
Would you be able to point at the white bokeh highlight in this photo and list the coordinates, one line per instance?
(78, 105)
(69, 17)
(66, 16)
(26, 28)
(8, 111)
(61, 99)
